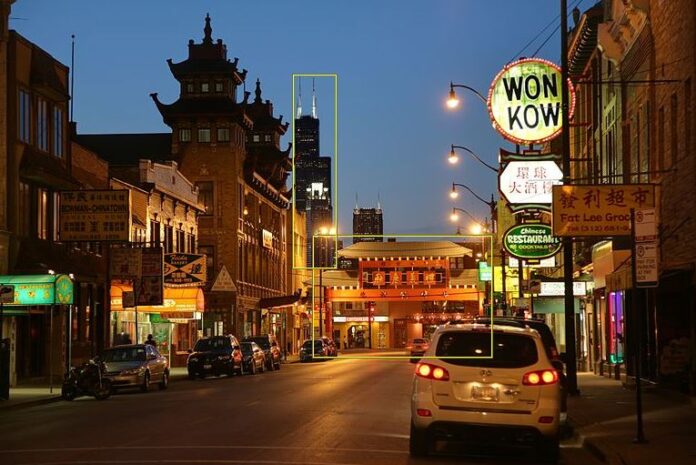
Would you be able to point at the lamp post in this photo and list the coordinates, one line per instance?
(453, 158)
(453, 101)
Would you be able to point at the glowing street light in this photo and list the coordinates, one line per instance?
(453, 157)
(453, 100)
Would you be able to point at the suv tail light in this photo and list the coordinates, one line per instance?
(434, 372)
(540, 378)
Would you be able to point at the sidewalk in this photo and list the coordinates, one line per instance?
(604, 418)
(27, 396)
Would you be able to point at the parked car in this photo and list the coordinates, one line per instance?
(215, 355)
(269, 345)
(135, 365)
(253, 358)
(309, 351)
(416, 348)
(517, 388)
(331, 349)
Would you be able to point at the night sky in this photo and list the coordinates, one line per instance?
(394, 59)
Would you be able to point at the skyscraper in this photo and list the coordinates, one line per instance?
(368, 221)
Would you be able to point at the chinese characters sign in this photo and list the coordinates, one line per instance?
(150, 291)
(408, 278)
(184, 269)
(529, 182)
(95, 215)
(524, 101)
(598, 210)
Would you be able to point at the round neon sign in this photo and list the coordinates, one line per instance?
(524, 101)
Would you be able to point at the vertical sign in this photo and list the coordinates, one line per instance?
(645, 247)
(150, 289)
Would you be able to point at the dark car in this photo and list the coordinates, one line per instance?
(309, 351)
(270, 348)
(216, 355)
(253, 358)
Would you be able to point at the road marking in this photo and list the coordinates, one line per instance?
(116, 462)
(253, 403)
(195, 447)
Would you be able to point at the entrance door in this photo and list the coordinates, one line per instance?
(400, 333)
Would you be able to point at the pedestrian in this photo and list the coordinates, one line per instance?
(345, 342)
(151, 340)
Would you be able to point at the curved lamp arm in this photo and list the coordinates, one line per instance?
(476, 157)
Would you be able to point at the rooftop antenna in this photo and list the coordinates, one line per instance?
(356, 201)
(299, 100)
(314, 101)
(379, 203)
(72, 79)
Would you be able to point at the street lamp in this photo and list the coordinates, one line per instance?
(453, 101)
(453, 158)
(454, 217)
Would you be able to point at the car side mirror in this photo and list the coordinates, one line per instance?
(558, 365)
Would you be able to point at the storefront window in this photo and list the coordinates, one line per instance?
(616, 327)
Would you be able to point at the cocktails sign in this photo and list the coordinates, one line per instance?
(531, 241)
(524, 101)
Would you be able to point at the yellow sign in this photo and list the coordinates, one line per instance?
(598, 210)
(95, 215)
(524, 101)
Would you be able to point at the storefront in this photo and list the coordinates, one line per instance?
(175, 325)
(37, 324)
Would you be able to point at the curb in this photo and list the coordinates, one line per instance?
(30, 403)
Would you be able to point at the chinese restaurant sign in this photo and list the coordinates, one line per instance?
(598, 210)
(524, 101)
(183, 269)
(150, 290)
(528, 182)
(41, 290)
(408, 278)
(531, 241)
(95, 215)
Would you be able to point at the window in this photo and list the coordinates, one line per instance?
(24, 116)
(42, 124)
(191, 243)
(267, 138)
(204, 135)
(57, 132)
(180, 241)
(256, 138)
(168, 239)
(189, 87)
(205, 87)
(42, 213)
(205, 196)
(223, 135)
(155, 234)
(55, 216)
(218, 86)
(209, 252)
(184, 135)
(661, 138)
(24, 217)
(674, 139)
(509, 351)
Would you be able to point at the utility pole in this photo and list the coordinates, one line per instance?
(571, 360)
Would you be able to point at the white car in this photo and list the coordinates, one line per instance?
(510, 399)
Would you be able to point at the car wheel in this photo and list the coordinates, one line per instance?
(548, 451)
(146, 383)
(277, 367)
(418, 442)
(253, 368)
(263, 367)
(103, 391)
(68, 392)
(191, 375)
(164, 384)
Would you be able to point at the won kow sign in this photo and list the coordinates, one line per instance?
(524, 101)
(531, 241)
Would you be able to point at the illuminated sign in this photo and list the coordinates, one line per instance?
(345, 319)
(485, 272)
(531, 241)
(529, 182)
(184, 269)
(543, 263)
(558, 288)
(598, 210)
(39, 290)
(95, 215)
(267, 239)
(524, 101)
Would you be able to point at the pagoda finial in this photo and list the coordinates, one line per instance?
(314, 101)
(257, 92)
(299, 100)
(208, 38)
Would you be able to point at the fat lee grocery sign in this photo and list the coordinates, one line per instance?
(531, 241)
(595, 210)
(524, 101)
(95, 215)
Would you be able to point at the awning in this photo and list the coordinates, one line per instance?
(282, 301)
(621, 279)
(553, 305)
(176, 300)
(42, 289)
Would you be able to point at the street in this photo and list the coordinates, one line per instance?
(333, 412)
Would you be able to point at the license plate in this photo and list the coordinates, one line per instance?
(207, 367)
(487, 393)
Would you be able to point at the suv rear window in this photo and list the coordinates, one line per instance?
(509, 350)
(215, 343)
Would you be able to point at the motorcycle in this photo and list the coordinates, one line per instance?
(87, 380)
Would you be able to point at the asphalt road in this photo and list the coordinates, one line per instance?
(323, 413)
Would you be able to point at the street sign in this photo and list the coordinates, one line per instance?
(128, 299)
(125, 263)
(531, 241)
(150, 290)
(598, 210)
(524, 101)
(224, 281)
(7, 294)
(646, 264)
(95, 215)
(485, 272)
(181, 269)
(646, 225)
(529, 181)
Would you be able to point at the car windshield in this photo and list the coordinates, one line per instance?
(262, 341)
(215, 343)
(509, 350)
(247, 348)
(125, 354)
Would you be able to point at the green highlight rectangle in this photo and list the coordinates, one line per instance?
(334, 161)
(403, 357)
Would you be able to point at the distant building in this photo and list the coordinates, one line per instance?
(367, 221)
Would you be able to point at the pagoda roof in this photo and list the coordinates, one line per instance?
(262, 113)
(207, 106)
(272, 164)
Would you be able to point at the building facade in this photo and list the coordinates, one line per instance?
(368, 222)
